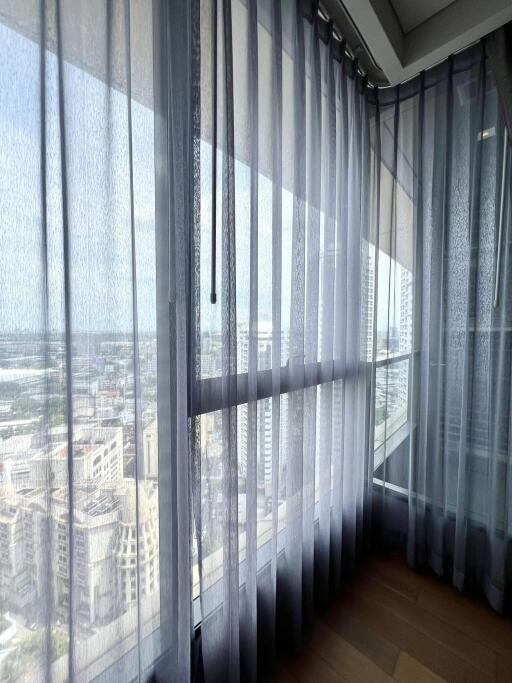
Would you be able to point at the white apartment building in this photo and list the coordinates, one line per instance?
(97, 456)
(136, 554)
(106, 550)
(406, 292)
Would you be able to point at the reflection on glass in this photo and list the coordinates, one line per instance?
(328, 405)
(391, 399)
(394, 308)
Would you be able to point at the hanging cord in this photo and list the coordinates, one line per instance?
(213, 291)
(496, 301)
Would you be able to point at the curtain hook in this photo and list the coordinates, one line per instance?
(330, 35)
(343, 47)
(315, 7)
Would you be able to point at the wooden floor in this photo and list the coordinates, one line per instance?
(392, 624)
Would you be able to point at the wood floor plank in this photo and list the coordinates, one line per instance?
(394, 625)
(283, 676)
(504, 668)
(344, 658)
(409, 670)
(395, 574)
(431, 653)
(308, 667)
(371, 642)
(476, 619)
(480, 656)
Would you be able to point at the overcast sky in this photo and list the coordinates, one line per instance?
(99, 208)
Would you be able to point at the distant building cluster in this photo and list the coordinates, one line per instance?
(114, 531)
(106, 553)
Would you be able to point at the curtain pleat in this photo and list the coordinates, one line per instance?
(248, 618)
(311, 318)
(177, 127)
(327, 440)
(293, 544)
(276, 306)
(46, 526)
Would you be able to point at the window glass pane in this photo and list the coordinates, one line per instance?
(391, 456)
(329, 420)
(210, 314)
(394, 308)
(111, 541)
(212, 495)
(391, 398)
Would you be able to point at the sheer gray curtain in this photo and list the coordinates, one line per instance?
(83, 595)
(280, 328)
(443, 370)
(499, 50)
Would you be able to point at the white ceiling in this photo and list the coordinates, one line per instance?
(412, 13)
(405, 37)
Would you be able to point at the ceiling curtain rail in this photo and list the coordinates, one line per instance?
(340, 52)
(464, 60)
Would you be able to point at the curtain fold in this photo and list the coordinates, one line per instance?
(442, 436)
(177, 113)
(281, 379)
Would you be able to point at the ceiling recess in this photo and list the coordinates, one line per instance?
(396, 39)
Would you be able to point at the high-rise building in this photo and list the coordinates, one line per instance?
(368, 296)
(264, 409)
(406, 291)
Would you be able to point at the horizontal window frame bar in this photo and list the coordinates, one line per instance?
(477, 519)
(209, 393)
(390, 360)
